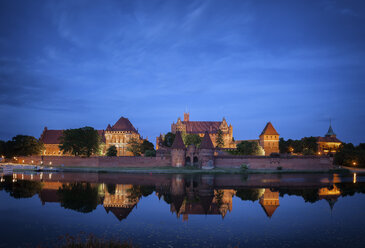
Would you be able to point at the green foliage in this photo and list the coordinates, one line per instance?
(150, 153)
(112, 151)
(305, 146)
(169, 139)
(21, 145)
(247, 148)
(2, 148)
(350, 155)
(134, 146)
(83, 141)
(219, 139)
(147, 146)
(249, 194)
(20, 188)
(192, 139)
(244, 167)
(81, 197)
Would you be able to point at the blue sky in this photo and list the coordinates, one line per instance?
(67, 64)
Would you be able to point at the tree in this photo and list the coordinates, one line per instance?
(219, 140)
(350, 155)
(23, 145)
(150, 153)
(112, 151)
(147, 146)
(83, 141)
(169, 139)
(2, 148)
(134, 146)
(248, 148)
(192, 139)
(81, 197)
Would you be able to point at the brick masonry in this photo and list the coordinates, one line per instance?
(253, 162)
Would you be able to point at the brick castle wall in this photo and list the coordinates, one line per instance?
(253, 162)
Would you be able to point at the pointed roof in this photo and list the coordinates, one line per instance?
(330, 132)
(269, 209)
(123, 124)
(269, 130)
(206, 142)
(119, 212)
(178, 142)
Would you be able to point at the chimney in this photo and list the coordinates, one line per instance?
(186, 116)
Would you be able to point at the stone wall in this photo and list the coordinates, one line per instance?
(253, 162)
(105, 162)
(261, 162)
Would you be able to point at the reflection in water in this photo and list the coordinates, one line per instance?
(269, 202)
(206, 210)
(186, 195)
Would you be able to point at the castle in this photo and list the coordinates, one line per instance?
(117, 135)
(200, 127)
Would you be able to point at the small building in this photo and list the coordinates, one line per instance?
(329, 144)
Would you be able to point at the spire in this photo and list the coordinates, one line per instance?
(330, 131)
(178, 142)
(206, 142)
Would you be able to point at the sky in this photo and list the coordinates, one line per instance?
(69, 64)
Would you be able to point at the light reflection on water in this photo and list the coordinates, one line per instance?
(275, 210)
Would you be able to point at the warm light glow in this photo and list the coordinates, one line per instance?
(354, 180)
(23, 161)
(2, 179)
(354, 163)
(50, 163)
(319, 153)
(50, 176)
(32, 161)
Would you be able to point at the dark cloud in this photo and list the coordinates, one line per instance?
(64, 64)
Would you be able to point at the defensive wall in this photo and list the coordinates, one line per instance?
(252, 162)
(264, 162)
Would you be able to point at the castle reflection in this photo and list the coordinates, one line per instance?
(186, 195)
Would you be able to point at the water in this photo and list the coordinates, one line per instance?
(309, 210)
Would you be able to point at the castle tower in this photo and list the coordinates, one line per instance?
(186, 117)
(206, 152)
(269, 202)
(269, 139)
(178, 151)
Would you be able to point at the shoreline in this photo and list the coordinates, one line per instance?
(169, 170)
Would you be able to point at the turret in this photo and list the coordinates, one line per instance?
(186, 116)
(178, 151)
(206, 152)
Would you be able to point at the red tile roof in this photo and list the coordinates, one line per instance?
(202, 126)
(178, 142)
(269, 130)
(53, 136)
(206, 142)
(123, 124)
(328, 139)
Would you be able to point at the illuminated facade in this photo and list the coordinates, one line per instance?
(328, 144)
(120, 134)
(269, 139)
(269, 202)
(200, 127)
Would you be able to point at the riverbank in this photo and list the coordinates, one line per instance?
(167, 170)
